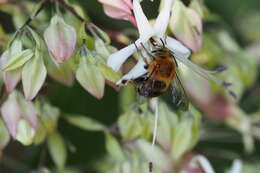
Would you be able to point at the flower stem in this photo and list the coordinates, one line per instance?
(88, 26)
(31, 18)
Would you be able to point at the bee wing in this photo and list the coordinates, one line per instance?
(179, 96)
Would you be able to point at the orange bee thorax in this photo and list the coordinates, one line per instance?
(163, 69)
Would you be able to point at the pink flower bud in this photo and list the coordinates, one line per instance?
(60, 39)
(20, 116)
(119, 9)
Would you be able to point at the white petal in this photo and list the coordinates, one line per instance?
(116, 59)
(162, 20)
(177, 47)
(236, 167)
(137, 71)
(143, 25)
(205, 164)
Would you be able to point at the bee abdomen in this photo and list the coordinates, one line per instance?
(157, 84)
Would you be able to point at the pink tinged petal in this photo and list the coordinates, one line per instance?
(177, 47)
(186, 25)
(137, 71)
(119, 9)
(119, 14)
(116, 59)
(162, 20)
(143, 25)
(122, 5)
(60, 39)
(11, 79)
(11, 113)
(128, 3)
(28, 111)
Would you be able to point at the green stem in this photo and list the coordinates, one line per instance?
(31, 18)
(88, 26)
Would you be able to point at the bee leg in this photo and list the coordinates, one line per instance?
(163, 43)
(141, 79)
(148, 53)
(140, 52)
(122, 82)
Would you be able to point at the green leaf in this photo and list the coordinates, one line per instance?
(167, 121)
(109, 73)
(33, 76)
(152, 154)
(17, 60)
(130, 125)
(48, 115)
(4, 135)
(181, 138)
(101, 49)
(85, 123)
(195, 126)
(16, 47)
(103, 35)
(63, 73)
(41, 134)
(25, 133)
(90, 77)
(57, 149)
(38, 40)
(127, 97)
(113, 147)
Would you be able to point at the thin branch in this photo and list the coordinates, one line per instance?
(88, 26)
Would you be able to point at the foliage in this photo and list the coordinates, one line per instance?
(57, 112)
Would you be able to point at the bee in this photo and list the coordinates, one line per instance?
(162, 75)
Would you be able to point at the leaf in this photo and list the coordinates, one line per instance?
(109, 73)
(62, 73)
(152, 154)
(38, 40)
(195, 126)
(57, 149)
(113, 147)
(33, 76)
(4, 135)
(167, 121)
(90, 77)
(40, 135)
(85, 123)
(17, 60)
(181, 138)
(130, 125)
(25, 133)
(48, 115)
(101, 49)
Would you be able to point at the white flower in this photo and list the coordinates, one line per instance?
(157, 31)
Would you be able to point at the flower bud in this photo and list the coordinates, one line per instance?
(186, 25)
(20, 118)
(119, 9)
(60, 39)
(11, 78)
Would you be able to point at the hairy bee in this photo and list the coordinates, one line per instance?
(162, 75)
